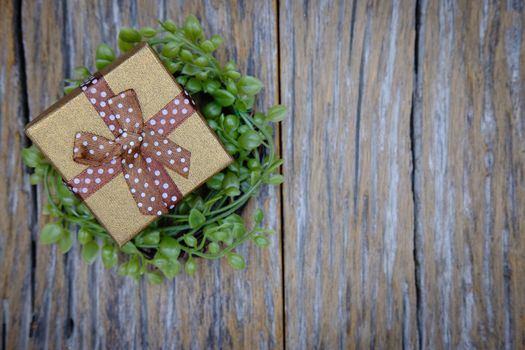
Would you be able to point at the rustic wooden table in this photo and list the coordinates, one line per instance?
(401, 222)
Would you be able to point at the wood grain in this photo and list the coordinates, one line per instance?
(16, 196)
(347, 73)
(403, 206)
(469, 127)
(80, 306)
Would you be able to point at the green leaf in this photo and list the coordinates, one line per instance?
(171, 50)
(148, 238)
(275, 180)
(35, 179)
(220, 235)
(169, 25)
(51, 210)
(231, 123)
(197, 202)
(124, 46)
(66, 196)
(214, 248)
(68, 89)
(82, 72)
(109, 255)
(223, 97)
(160, 260)
(232, 192)
(238, 230)
(191, 267)
(190, 240)
(31, 156)
(196, 218)
(193, 85)
(275, 164)
(254, 177)
(171, 269)
(244, 103)
(232, 74)
(41, 170)
(89, 252)
(84, 236)
(276, 113)
(258, 215)
(215, 182)
(130, 249)
(123, 269)
(261, 241)
(202, 75)
(133, 265)
(209, 229)
(169, 247)
(186, 55)
(243, 128)
(83, 210)
(234, 219)
(231, 87)
(246, 186)
(66, 242)
(173, 66)
(212, 110)
(147, 32)
(230, 181)
(250, 140)
(209, 86)
(216, 40)
(192, 27)
(201, 61)
(230, 66)
(154, 277)
(249, 85)
(189, 69)
(101, 64)
(231, 148)
(253, 164)
(181, 79)
(51, 233)
(259, 119)
(236, 261)
(244, 173)
(234, 167)
(207, 46)
(104, 52)
(129, 35)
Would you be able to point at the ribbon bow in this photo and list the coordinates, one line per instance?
(140, 150)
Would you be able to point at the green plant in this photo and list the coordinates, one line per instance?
(206, 223)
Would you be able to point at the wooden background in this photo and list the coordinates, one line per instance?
(402, 220)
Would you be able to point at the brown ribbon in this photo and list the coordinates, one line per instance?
(140, 150)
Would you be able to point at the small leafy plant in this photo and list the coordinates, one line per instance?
(206, 224)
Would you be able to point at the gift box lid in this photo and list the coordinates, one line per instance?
(140, 73)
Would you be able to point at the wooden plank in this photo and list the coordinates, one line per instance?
(16, 250)
(78, 306)
(470, 155)
(347, 72)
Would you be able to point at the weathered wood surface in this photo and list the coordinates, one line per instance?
(65, 303)
(469, 128)
(347, 74)
(16, 200)
(403, 207)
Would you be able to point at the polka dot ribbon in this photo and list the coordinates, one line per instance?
(140, 150)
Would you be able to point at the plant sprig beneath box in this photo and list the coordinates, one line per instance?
(206, 224)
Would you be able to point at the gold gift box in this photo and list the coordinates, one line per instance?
(113, 205)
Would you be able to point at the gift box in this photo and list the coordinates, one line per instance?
(129, 142)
